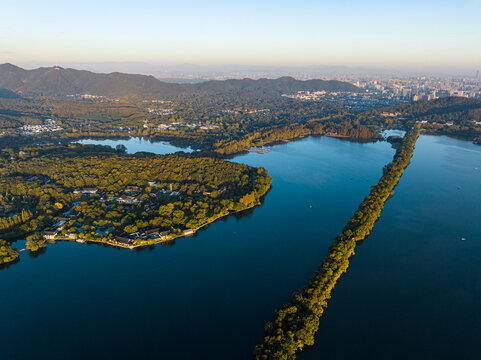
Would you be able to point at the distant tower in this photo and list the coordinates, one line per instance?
(477, 74)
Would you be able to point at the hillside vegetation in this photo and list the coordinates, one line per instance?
(60, 82)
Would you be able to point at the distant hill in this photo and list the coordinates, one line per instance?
(278, 86)
(57, 81)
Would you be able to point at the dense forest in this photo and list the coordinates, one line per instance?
(453, 116)
(97, 193)
(294, 325)
(7, 253)
(273, 134)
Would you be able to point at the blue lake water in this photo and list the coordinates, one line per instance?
(134, 145)
(410, 285)
(413, 289)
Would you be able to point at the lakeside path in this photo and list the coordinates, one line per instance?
(294, 326)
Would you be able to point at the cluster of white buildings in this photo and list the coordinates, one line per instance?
(448, 124)
(87, 96)
(176, 125)
(307, 95)
(157, 101)
(246, 111)
(48, 125)
(385, 91)
(357, 101)
(420, 88)
(160, 111)
(208, 127)
(91, 97)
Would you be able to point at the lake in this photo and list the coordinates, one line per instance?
(412, 288)
(136, 144)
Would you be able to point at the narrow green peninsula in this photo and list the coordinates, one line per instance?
(294, 325)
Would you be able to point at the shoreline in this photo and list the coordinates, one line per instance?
(295, 324)
(173, 238)
(298, 138)
(169, 237)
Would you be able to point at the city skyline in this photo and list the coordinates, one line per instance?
(439, 37)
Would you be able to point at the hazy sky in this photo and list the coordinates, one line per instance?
(402, 34)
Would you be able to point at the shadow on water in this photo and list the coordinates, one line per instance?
(248, 212)
(244, 214)
(308, 348)
(7, 265)
(39, 252)
(170, 243)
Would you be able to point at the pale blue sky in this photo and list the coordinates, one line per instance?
(404, 34)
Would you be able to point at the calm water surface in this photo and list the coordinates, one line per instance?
(208, 297)
(134, 145)
(413, 289)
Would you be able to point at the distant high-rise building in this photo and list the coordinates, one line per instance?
(477, 74)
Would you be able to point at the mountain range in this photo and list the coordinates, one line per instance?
(57, 81)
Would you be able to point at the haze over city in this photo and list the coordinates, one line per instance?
(433, 37)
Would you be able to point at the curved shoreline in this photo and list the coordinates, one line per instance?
(169, 238)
